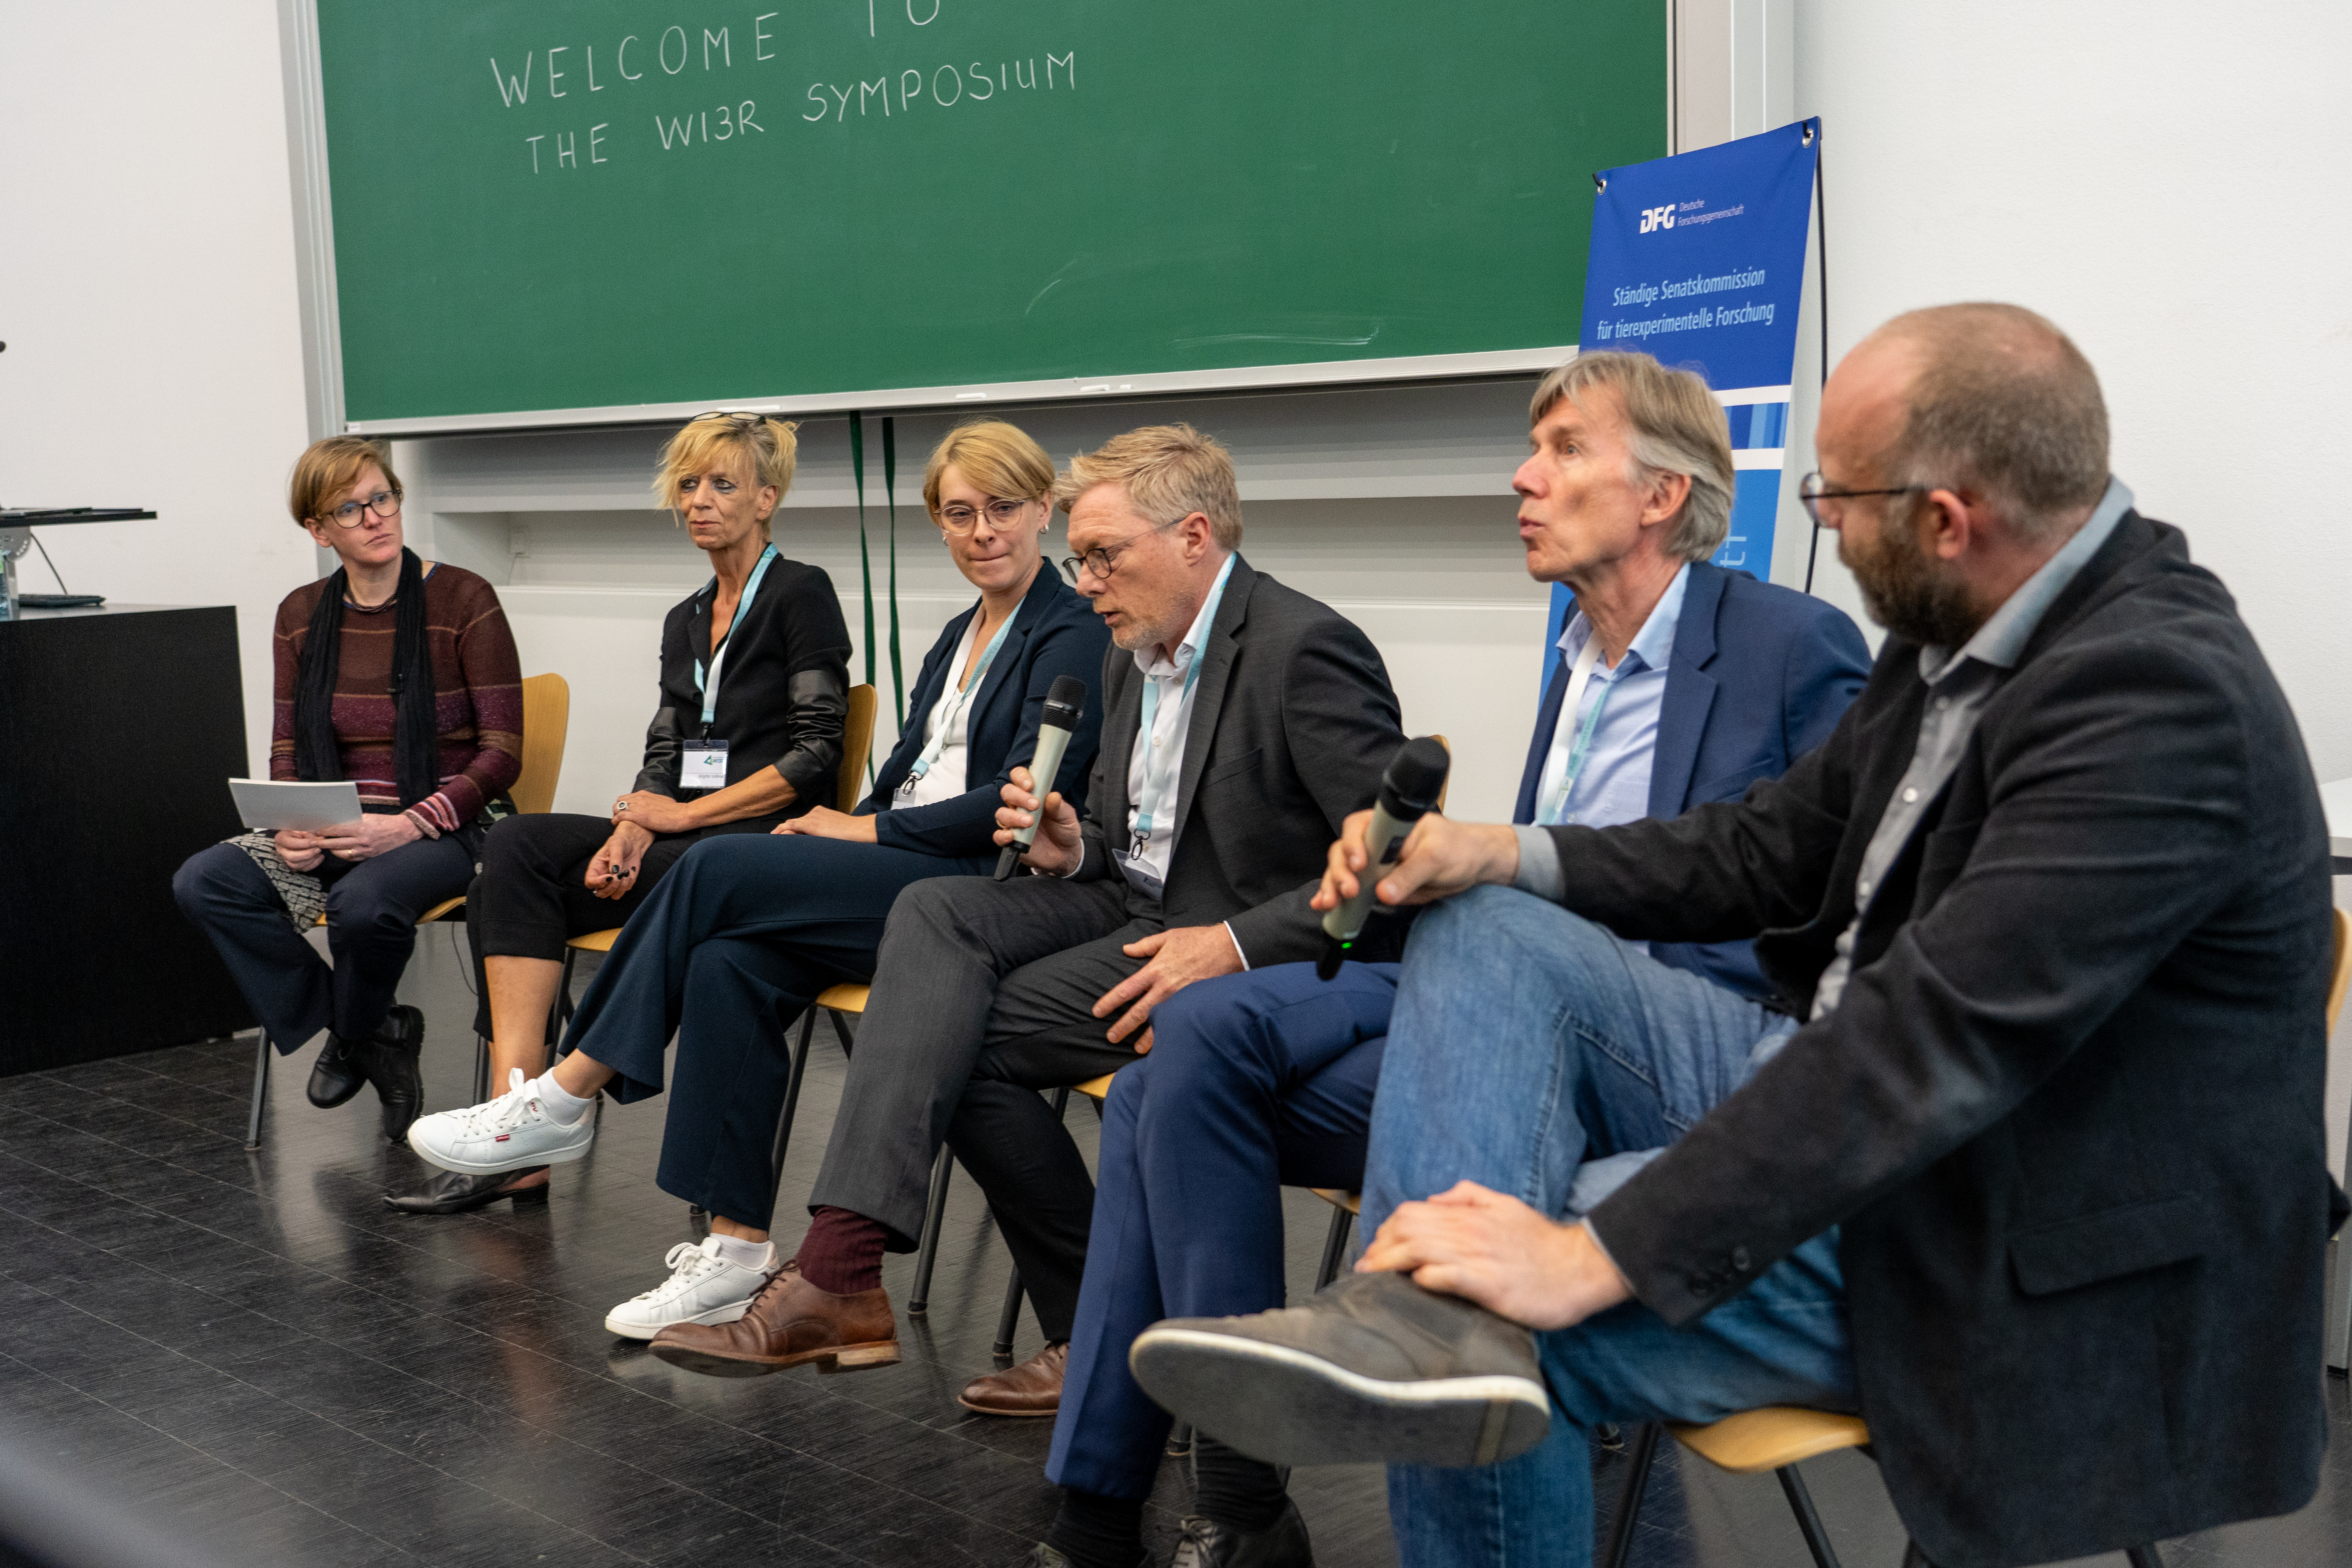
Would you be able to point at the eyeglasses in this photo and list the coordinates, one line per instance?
(1001, 514)
(384, 504)
(1103, 559)
(1813, 489)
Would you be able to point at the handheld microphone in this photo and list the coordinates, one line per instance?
(1063, 702)
(1408, 790)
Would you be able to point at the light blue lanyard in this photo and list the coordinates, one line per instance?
(954, 703)
(1158, 776)
(709, 688)
(1556, 808)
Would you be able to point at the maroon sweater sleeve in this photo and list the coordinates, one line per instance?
(490, 676)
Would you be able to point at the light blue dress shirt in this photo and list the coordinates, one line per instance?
(1614, 784)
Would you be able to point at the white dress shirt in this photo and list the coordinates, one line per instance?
(1159, 752)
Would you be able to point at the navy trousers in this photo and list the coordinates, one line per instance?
(1254, 1082)
(728, 951)
(372, 909)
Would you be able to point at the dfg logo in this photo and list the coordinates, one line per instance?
(1658, 217)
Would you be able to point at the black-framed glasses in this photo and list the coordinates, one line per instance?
(1103, 559)
(960, 519)
(384, 504)
(1813, 489)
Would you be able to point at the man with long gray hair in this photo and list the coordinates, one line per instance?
(1678, 682)
(2023, 1161)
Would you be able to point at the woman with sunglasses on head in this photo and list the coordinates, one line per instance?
(755, 692)
(399, 675)
(746, 933)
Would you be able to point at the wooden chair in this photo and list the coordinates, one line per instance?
(1779, 1438)
(546, 722)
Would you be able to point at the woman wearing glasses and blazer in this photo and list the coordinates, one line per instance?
(399, 675)
(745, 933)
(747, 736)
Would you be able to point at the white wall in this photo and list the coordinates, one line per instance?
(147, 300)
(2168, 183)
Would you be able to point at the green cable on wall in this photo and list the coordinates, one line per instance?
(865, 559)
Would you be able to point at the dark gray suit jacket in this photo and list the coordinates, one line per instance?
(2068, 1112)
(1292, 723)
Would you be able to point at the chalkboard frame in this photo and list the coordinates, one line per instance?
(323, 348)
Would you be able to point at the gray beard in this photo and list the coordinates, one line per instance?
(1902, 591)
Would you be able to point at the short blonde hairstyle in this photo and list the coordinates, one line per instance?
(717, 443)
(1000, 459)
(1673, 425)
(1168, 472)
(328, 468)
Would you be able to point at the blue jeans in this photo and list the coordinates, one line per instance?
(1254, 1082)
(1529, 1047)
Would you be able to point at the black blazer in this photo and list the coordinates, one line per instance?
(1054, 633)
(1293, 723)
(2068, 1112)
(783, 691)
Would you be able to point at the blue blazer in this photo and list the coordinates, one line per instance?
(1054, 633)
(1795, 662)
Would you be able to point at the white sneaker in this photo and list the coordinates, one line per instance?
(505, 1134)
(703, 1287)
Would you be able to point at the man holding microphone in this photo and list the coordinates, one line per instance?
(1678, 683)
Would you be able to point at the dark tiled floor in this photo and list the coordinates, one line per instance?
(253, 1351)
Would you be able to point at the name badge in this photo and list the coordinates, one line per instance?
(705, 766)
(1139, 875)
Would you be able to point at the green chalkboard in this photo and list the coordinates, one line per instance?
(578, 207)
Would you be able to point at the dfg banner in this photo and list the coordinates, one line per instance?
(1700, 260)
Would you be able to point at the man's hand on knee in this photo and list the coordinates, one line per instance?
(1496, 1251)
(1440, 859)
(1179, 957)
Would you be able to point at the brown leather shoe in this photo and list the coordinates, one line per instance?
(1032, 1388)
(790, 1321)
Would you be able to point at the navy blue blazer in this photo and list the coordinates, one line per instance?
(1054, 633)
(1725, 722)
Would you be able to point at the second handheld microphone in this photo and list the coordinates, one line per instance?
(1409, 790)
(1064, 700)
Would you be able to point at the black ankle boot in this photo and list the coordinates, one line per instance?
(388, 1056)
(335, 1076)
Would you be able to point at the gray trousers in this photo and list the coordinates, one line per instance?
(984, 994)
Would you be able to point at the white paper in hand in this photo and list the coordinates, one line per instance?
(268, 806)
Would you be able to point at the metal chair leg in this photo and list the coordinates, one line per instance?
(1335, 1247)
(1800, 1503)
(2144, 1556)
(481, 1069)
(1009, 1319)
(563, 1016)
(1629, 1497)
(926, 1252)
(260, 1087)
(792, 1096)
(1180, 1440)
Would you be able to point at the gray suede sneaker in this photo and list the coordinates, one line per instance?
(1374, 1370)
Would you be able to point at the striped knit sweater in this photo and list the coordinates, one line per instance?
(478, 689)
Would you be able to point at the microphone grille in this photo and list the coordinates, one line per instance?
(1067, 691)
(1417, 773)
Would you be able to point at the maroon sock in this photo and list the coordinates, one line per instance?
(842, 1252)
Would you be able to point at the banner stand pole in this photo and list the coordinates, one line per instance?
(1820, 272)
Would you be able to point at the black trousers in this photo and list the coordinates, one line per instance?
(530, 892)
(372, 909)
(983, 994)
(728, 952)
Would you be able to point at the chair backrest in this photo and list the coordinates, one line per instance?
(857, 747)
(2343, 969)
(546, 720)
